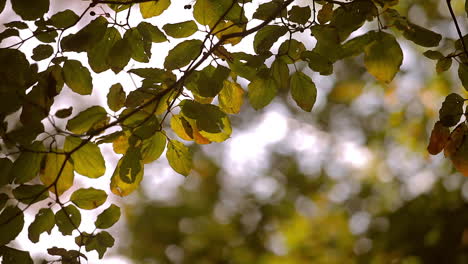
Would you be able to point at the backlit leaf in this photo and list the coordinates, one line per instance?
(5, 166)
(231, 97)
(116, 97)
(383, 57)
(43, 222)
(261, 92)
(451, 110)
(182, 54)
(181, 30)
(268, 9)
(42, 52)
(99, 242)
(11, 224)
(463, 74)
(68, 219)
(98, 56)
(14, 256)
(419, 35)
(439, 137)
(63, 19)
(87, 160)
(77, 77)
(443, 64)
(299, 14)
(89, 198)
(29, 194)
(131, 165)
(182, 127)
(108, 217)
(303, 91)
(154, 8)
(317, 62)
(266, 36)
(179, 157)
(119, 55)
(27, 165)
(53, 164)
(455, 140)
(87, 37)
(290, 51)
(151, 32)
(153, 147)
(121, 188)
(88, 120)
(30, 10)
(64, 113)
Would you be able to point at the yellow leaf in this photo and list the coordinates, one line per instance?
(383, 57)
(231, 97)
(154, 8)
(182, 127)
(121, 188)
(53, 163)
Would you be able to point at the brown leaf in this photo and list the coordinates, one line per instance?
(439, 137)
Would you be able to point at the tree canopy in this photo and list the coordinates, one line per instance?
(221, 55)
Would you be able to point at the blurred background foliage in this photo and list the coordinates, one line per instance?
(351, 183)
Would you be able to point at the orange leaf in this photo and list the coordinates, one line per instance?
(455, 140)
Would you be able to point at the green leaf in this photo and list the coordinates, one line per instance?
(88, 120)
(154, 8)
(27, 165)
(5, 167)
(44, 222)
(9, 32)
(207, 12)
(30, 10)
(328, 41)
(303, 91)
(290, 51)
(348, 18)
(11, 224)
(267, 10)
(443, 64)
(119, 55)
(433, 54)
(116, 97)
(155, 75)
(14, 256)
(181, 30)
(231, 97)
(64, 113)
(261, 92)
(419, 35)
(64, 19)
(266, 36)
(131, 165)
(451, 110)
(87, 37)
(463, 74)
(67, 256)
(211, 122)
(89, 198)
(42, 52)
(139, 45)
(317, 62)
(108, 217)
(299, 14)
(208, 82)
(87, 160)
(383, 57)
(153, 147)
(99, 242)
(98, 56)
(121, 188)
(356, 46)
(68, 219)
(183, 53)
(16, 24)
(29, 194)
(77, 77)
(50, 172)
(280, 73)
(179, 157)
(152, 32)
